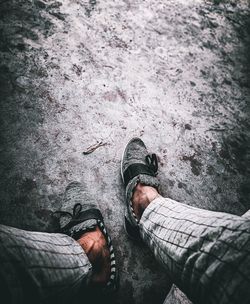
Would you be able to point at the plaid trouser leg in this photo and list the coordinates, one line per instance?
(206, 253)
(40, 267)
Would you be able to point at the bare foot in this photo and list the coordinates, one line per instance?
(142, 197)
(95, 246)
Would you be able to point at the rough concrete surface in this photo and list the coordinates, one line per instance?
(80, 73)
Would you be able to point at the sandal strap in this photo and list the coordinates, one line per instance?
(90, 214)
(133, 232)
(150, 168)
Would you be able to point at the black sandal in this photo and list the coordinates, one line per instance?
(137, 166)
(86, 218)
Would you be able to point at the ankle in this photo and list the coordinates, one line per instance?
(94, 245)
(142, 197)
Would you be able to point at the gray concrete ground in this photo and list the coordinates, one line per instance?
(80, 73)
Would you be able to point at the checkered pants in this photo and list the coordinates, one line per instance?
(206, 253)
(38, 267)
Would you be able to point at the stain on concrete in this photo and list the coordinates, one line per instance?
(196, 166)
(90, 7)
(188, 127)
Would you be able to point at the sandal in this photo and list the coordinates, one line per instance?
(137, 166)
(85, 218)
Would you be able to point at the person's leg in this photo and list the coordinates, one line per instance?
(206, 253)
(38, 267)
(41, 266)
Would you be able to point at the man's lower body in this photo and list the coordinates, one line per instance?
(206, 253)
